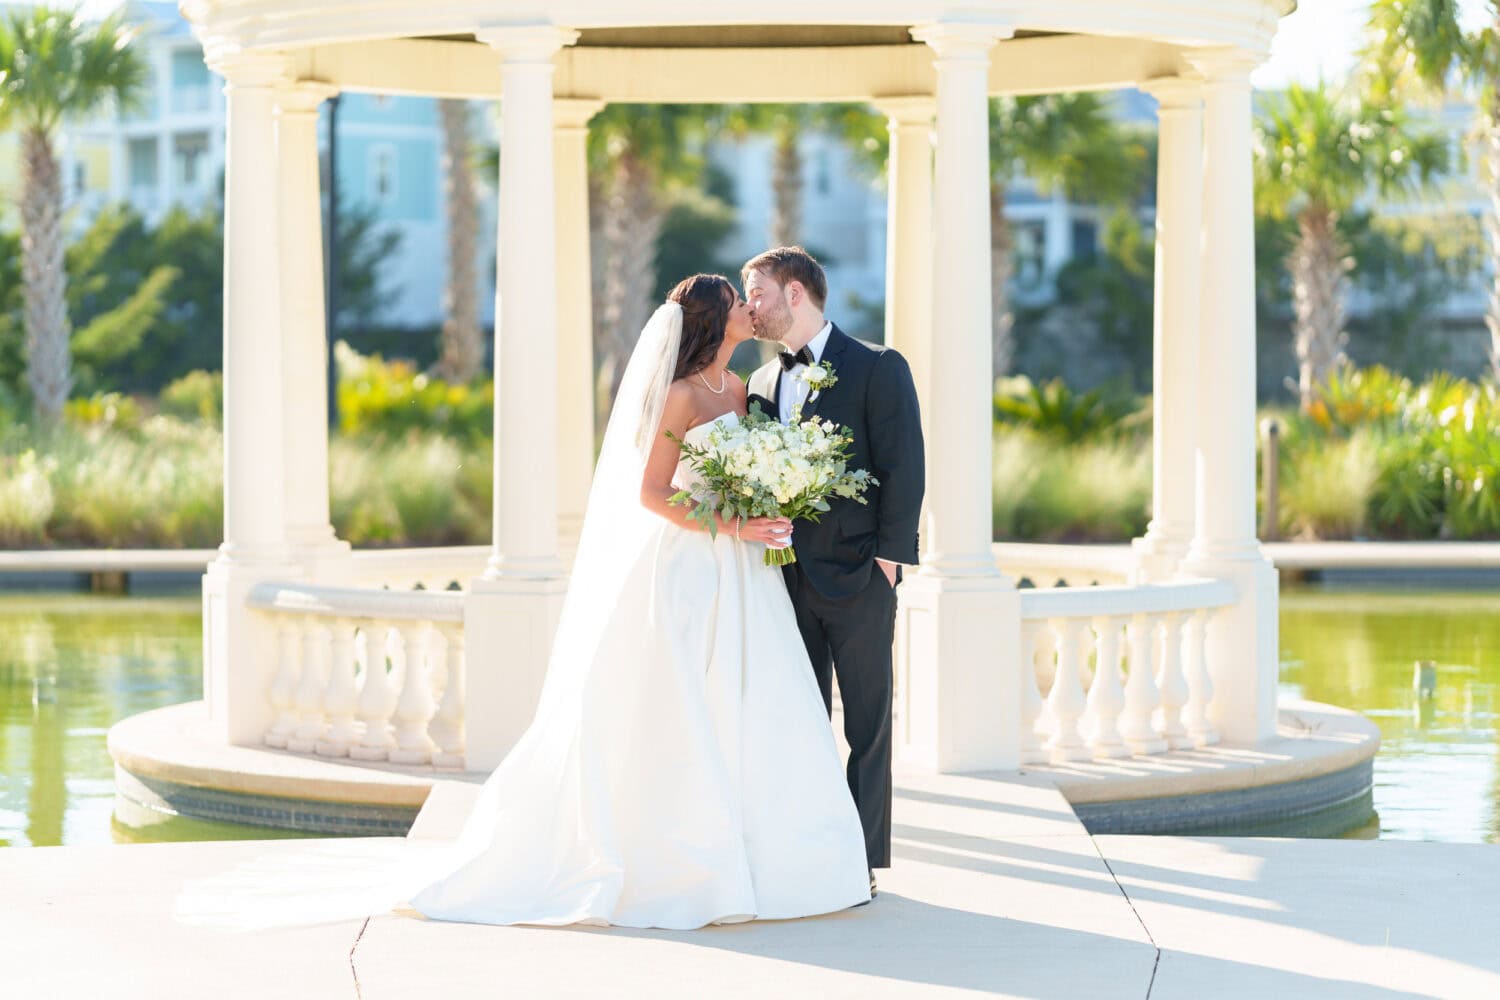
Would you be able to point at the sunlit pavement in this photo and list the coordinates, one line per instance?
(995, 889)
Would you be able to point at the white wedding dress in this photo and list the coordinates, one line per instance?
(679, 771)
(692, 779)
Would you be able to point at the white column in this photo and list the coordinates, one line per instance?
(511, 611)
(1242, 639)
(254, 501)
(239, 652)
(1174, 378)
(959, 642)
(304, 337)
(959, 423)
(908, 234)
(908, 240)
(575, 318)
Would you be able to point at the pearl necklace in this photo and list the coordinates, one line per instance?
(723, 381)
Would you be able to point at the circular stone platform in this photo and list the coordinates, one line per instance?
(1314, 779)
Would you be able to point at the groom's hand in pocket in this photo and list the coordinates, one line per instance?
(889, 569)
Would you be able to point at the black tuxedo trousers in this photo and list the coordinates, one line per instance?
(846, 608)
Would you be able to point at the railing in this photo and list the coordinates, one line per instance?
(1117, 671)
(433, 569)
(1046, 566)
(373, 675)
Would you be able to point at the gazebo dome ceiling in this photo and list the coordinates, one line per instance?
(231, 25)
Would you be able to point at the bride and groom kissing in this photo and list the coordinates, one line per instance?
(681, 770)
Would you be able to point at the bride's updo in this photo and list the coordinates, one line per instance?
(706, 300)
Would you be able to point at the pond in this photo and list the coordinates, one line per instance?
(72, 665)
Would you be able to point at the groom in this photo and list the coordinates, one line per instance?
(843, 584)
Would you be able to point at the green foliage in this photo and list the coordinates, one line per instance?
(54, 64)
(1319, 150)
(697, 223)
(1046, 490)
(1407, 268)
(1326, 490)
(26, 498)
(198, 395)
(105, 409)
(1067, 141)
(1053, 410)
(379, 397)
(418, 489)
(1397, 459)
(113, 483)
(364, 247)
(1114, 290)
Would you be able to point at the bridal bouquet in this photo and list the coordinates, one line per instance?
(761, 467)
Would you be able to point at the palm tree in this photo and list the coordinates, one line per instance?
(55, 66)
(787, 125)
(1057, 140)
(462, 349)
(635, 153)
(1317, 153)
(1421, 43)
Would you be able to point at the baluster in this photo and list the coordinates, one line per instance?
(377, 698)
(447, 728)
(415, 706)
(284, 685)
(1106, 696)
(1031, 700)
(1200, 683)
(310, 690)
(1141, 698)
(340, 697)
(1045, 663)
(1065, 702)
(1172, 684)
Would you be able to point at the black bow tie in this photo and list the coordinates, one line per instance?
(790, 360)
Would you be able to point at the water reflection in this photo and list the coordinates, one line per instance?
(1436, 777)
(70, 667)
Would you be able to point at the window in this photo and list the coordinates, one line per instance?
(190, 86)
(189, 153)
(382, 174)
(142, 163)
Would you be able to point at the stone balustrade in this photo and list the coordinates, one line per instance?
(1117, 670)
(373, 675)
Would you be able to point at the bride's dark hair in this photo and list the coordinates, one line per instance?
(706, 300)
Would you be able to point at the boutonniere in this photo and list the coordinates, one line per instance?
(817, 378)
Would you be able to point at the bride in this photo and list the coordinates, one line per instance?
(680, 769)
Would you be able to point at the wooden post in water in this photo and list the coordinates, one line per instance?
(1270, 458)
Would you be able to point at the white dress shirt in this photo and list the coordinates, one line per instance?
(792, 389)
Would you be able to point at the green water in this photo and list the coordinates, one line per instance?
(71, 666)
(1437, 776)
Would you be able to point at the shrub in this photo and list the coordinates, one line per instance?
(391, 398)
(26, 499)
(1055, 410)
(1327, 490)
(198, 395)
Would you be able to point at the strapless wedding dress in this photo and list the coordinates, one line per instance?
(691, 778)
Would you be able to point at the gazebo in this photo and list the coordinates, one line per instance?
(313, 648)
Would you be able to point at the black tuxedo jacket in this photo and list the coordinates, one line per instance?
(876, 400)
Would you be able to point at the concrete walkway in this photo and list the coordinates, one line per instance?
(996, 890)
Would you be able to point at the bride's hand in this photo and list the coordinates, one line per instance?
(773, 531)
